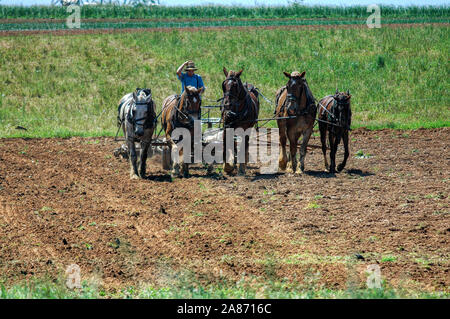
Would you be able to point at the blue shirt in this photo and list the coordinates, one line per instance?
(186, 80)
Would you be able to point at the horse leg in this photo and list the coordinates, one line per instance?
(145, 146)
(334, 142)
(282, 159)
(346, 152)
(293, 136)
(306, 136)
(176, 165)
(133, 158)
(323, 141)
(143, 158)
(227, 168)
(184, 166)
(243, 166)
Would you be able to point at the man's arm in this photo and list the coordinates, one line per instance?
(200, 84)
(181, 68)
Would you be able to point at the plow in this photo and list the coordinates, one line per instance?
(213, 130)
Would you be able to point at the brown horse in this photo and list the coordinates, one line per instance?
(240, 109)
(295, 100)
(336, 111)
(180, 111)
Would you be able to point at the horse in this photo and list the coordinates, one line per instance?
(136, 115)
(240, 109)
(335, 117)
(294, 100)
(180, 111)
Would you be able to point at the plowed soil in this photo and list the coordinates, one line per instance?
(66, 201)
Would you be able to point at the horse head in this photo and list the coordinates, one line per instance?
(190, 106)
(295, 89)
(141, 110)
(342, 111)
(233, 94)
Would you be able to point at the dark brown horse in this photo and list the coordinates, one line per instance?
(295, 100)
(180, 111)
(240, 109)
(335, 109)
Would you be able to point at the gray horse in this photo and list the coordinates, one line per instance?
(136, 115)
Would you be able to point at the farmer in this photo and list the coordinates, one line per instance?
(190, 78)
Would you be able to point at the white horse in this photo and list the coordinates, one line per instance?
(136, 115)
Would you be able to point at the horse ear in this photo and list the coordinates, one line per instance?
(303, 74)
(348, 92)
(134, 95)
(225, 71)
(239, 73)
(287, 75)
(337, 91)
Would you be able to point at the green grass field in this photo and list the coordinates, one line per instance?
(188, 288)
(70, 85)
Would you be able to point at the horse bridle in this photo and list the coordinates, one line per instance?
(292, 98)
(235, 100)
(130, 114)
(184, 110)
(339, 106)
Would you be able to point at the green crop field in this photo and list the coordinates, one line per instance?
(70, 85)
(212, 12)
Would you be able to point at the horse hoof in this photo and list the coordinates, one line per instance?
(298, 172)
(228, 169)
(340, 168)
(175, 173)
(290, 170)
(134, 176)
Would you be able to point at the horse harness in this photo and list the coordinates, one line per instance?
(291, 98)
(235, 114)
(334, 116)
(149, 120)
(180, 103)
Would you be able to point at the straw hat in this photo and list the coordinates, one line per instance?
(190, 66)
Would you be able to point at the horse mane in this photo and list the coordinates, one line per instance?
(309, 96)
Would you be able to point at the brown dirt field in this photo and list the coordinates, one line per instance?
(194, 29)
(67, 201)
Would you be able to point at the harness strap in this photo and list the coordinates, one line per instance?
(329, 113)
